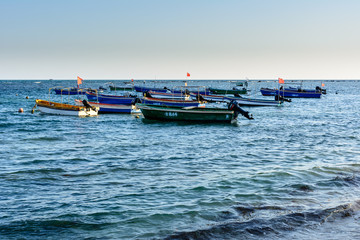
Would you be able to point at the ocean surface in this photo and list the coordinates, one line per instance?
(291, 173)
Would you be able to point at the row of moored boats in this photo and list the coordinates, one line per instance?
(177, 104)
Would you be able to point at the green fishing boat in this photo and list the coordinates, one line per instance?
(235, 90)
(192, 114)
(121, 88)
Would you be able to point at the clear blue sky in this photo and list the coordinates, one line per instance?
(164, 39)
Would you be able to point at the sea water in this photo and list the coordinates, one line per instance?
(292, 172)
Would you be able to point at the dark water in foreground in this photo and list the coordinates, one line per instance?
(293, 172)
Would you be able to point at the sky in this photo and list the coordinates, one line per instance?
(165, 39)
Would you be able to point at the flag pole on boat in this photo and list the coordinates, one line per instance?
(281, 81)
(79, 81)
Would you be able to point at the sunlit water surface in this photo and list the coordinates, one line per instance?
(293, 172)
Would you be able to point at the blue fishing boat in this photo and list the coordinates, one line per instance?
(177, 96)
(112, 108)
(255, 102)
(299, 89)
(207, 97)
(126, 99)
(70, 91)
(290, 93)
(146, 89)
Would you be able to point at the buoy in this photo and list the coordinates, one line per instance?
(21, 110)
(33, 109)
(27, 97)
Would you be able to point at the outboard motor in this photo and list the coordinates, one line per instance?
(319, 89)
(87, 105)
(147, 94)
(200, 98)
(233, 105)
(280, 98)
(135, 101)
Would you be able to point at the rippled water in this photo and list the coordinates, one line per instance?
(293, 172)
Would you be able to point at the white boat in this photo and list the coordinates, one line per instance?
(111, 108)
(66, 109)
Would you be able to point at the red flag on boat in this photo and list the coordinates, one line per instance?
(79, 80)
(281, 81)
(188, 74)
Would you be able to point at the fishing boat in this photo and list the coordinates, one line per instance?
(69, 91)
(172, 102)
(207, 97)
(146, 89)
(161, 95)
(255, 102)
(49, 107)
(202, 90)
(242, 83)
(234, 90)
(127, 86)
(249, 102)
(193, 114)
(126, 99)
(300, 89)
(121, 88)
(112, 108)
(290, 93)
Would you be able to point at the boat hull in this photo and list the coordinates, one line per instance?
(228, 91)
(146, 89)
(289, 94)
(72, 91)
(173, 96)
(49, 107)
(207, 97)
(113, 108)
(110, 99)
(254, 102)
(119, 88)
(204, 115)
(169, 102)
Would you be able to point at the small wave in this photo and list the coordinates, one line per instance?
(268, 228)
(352, 180)
(46, 139)
(40, 170)
(47, 228)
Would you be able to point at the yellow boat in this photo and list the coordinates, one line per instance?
(66, 109)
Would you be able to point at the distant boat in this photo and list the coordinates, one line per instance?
(70, 91)
(66, 109)
(290, 93)
(161, 95)
(299, 89)
(208, 97)
(254, 102)
(235, 90)
(242, 83)
(127, 99)
(146, 89)
(193, 114)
